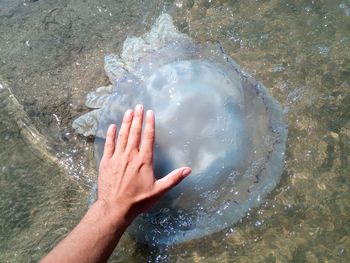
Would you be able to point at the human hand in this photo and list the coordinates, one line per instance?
(126, 181)
(126, 188)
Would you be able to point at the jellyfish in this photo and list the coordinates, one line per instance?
(210, 115)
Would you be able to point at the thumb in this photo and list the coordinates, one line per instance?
(172, 179)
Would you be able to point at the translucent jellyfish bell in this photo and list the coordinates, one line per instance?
(213, 117)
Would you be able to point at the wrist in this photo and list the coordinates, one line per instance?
(115, 217)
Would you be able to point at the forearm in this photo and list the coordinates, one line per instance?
(93, 239)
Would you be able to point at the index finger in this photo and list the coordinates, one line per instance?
(148, 134)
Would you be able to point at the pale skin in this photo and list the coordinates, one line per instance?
(126, 188)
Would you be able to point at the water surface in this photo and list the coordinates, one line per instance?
(51, 56)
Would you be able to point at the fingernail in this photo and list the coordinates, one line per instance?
(128, 113)
(186, 172)
(149, 113)
(111, 127)
(138, 108)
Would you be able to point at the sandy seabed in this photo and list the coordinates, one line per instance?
(51, 56)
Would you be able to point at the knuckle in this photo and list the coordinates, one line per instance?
(146, 158)
(122, 136)
(103, 165)
(135, 132)
(129, 154)
(175, 180)
(136, 120)
(127, 121)
(148, 135)
(136, 128)
(109, 144)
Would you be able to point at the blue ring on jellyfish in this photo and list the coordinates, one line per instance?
(212, 116)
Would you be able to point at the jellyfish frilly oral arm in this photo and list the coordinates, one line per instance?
(117, 67)
(126, 188)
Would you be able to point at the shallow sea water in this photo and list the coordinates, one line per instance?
(51, 56)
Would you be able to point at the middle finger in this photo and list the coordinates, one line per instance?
(136, 129)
